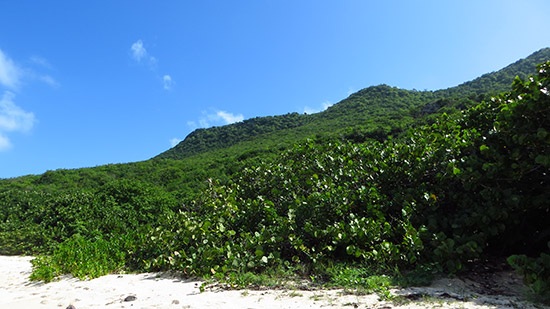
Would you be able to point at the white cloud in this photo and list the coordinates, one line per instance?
(324, 106)
(309, 110)
(4, 143)
(12, 118)
(138, 51)
(141, 55)
(215, 118)
(174, 141)
(10, 74)
(167, 79)
(229, 118)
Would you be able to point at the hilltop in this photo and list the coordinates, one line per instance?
(374, 112)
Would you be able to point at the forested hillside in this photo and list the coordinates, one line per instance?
(382, 180)
(374, 112)
(496, 82)
(204, 140)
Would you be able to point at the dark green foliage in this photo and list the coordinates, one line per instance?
(32, 222)
(536, 272)
(19, 223)
(509, 171)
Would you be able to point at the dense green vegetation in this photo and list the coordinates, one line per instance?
(385, 181)
(36, 221)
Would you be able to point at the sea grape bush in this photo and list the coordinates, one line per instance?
(448, 193)
(444, 194)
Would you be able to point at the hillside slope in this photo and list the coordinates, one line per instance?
(372, 113)
(377, 110)
(496, 82)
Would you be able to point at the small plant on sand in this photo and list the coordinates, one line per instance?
(536, 274)
(84, 259)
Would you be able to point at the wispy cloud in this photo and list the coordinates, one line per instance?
(174, 141)
(43, 62)
(167, 79)
(40, 63)
(12, 118)
(48, 80)
(229, 118)
(203, 123)
(192, 125)
(5, 143)
(140, 54)
(324, 106)
(309, 110)
(138, 51)
(10, 74)
(215, 118)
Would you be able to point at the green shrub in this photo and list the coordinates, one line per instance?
(535, 272)
(84, 259)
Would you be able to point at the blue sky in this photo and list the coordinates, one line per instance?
(87, 83)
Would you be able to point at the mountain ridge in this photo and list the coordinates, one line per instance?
(382, 102)
(220, 152)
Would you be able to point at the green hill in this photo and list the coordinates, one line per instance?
(374, 112)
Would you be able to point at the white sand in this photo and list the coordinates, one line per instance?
(162, 291)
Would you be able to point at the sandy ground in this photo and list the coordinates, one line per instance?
(152, 290)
